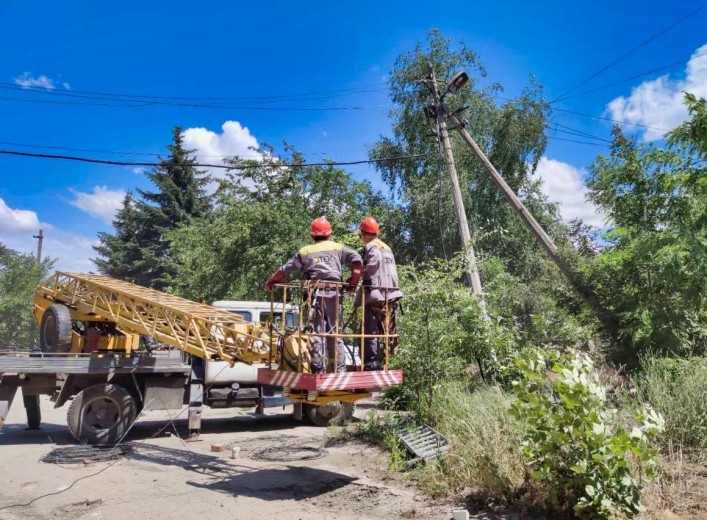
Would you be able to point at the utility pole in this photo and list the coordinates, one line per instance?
(527, 218)
(39, 238)
(441, 114)
(472, 273)
(604, 316)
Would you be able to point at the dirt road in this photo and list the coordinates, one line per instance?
(167, 478)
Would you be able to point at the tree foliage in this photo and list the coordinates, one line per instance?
(444, 333)
(262, 218)
(137, 251)
(512, 134)
(20, 274)
(653, 272)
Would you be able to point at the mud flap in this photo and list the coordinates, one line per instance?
(297, 412)
(8, 389)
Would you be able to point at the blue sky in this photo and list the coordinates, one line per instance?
(225, 49)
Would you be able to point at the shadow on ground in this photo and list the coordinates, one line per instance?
(272, 482)
(146, 428)
(283, 483)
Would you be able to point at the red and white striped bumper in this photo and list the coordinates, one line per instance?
(323, 382)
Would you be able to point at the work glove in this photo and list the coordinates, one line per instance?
(351, 284)
(356, 272)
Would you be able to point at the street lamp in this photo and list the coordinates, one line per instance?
(458, 81)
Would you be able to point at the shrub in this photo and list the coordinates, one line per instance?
(573, 444)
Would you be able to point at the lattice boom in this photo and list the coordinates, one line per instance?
(195, 328)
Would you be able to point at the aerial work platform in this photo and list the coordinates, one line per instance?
(80, 313)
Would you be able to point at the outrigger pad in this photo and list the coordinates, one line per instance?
(323, 382)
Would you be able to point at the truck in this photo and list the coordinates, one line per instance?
(111, 350)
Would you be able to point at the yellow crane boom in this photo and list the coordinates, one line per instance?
(197, 329)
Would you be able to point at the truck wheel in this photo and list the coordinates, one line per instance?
(55, 329)
(334, 413)
(101, 414)
(34, 413)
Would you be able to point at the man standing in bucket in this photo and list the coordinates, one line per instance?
(323, 261)
(382, 293)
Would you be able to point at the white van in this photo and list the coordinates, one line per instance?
(246, 375)
(219, 371)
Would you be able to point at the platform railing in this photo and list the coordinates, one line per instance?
(314, 296)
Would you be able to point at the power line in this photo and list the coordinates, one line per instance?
(622, 57)
(156, 154)
(658, 69)
(575, 141)
(220, 166)
(138, 101)
(608, 119)
(579, 133)
(141, 104)
(372, 87)
(497, 96)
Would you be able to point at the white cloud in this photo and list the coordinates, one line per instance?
(212, 147)
(17, 220)
(102, 203)
(658, 103)
(138, 170)
(564, 184)
(72, 252)
(28, 80)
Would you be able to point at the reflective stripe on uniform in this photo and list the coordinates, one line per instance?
(380, 244)
(320, 247)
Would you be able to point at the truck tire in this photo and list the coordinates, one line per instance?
(34, 413)
(55, 329)
(101, 414)
(334, 413)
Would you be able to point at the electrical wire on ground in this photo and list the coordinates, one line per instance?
(84, 454)
(281, 452)
(115, 461)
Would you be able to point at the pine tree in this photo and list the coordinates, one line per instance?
(137, 250)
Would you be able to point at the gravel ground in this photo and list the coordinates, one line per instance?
(167, 478)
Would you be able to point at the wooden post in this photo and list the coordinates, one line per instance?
(472, 273)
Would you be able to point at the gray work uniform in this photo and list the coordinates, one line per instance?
(324, 260)
(382, 292)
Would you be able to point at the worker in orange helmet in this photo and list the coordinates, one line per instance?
(382, 292)
(323, 261)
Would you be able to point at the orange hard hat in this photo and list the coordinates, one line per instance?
(320, 227)
(369, 225)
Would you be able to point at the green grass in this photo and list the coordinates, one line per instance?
(484, 442)
(676, 388)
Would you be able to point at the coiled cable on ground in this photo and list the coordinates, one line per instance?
(86, 454)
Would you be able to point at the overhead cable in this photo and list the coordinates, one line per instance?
(372, 87)
(652, 71)
(627, 54)
(220, 166)
(141, 104)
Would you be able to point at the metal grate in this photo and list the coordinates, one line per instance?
(422, 441)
